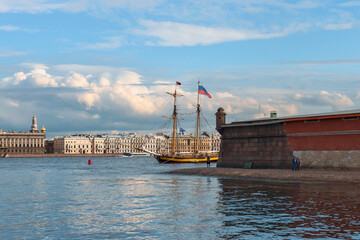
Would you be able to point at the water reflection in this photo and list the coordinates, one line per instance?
(283, 210)
(114, 198)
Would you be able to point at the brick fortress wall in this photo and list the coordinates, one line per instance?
(319, 142)
(326, 143)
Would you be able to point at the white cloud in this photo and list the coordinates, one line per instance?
(8, 53)
(89, 99)
(350, 4)
(335, 100)
(104, 82)
(121, 89)
(13, 104)
(86, 115)
(133, 4)
(40, 77)
(121, 98)
(110, 43)
(39, 6)
(135, 96)
(76, 80)
(37, 77)
(326, 62)
(34, 65)
(224, 95)
(181, 34)
(305, 4)
(15, 79)
(339, 26)
(19, 76)
(9, 28)
(163, 82)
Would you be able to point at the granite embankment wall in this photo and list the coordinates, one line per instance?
(59, 155)
(262, 146)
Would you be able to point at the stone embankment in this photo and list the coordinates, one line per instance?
(320, 175)
(60, 155)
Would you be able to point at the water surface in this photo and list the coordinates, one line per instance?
(119, 198)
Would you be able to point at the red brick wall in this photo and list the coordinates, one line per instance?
(324, 125)
(324, 135)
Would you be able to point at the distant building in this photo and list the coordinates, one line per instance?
(186, 144)
(215, 142)
(79, 144)
(49, 146)
(31, 142)
(127, 143)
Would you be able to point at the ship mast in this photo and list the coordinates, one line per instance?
(197, 121)
(174, 117)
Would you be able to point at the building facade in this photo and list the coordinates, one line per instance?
(186, 144)
(78, 144)
(330, 140)
(128, 143)
(21, 143)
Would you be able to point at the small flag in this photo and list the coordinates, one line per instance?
(182, 130)
(203, 91)
(206, 134)
(178, 83)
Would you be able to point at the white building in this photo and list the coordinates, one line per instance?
(119, 144)
(79, 144)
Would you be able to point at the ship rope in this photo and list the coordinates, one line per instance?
(208, 124)
(164, 125)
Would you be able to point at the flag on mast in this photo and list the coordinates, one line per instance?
(178, 83)
(203, 91)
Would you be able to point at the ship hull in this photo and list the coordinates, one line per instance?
(165, 159)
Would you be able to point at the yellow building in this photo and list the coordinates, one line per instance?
(186, 144)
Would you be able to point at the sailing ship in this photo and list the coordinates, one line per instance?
(186, 157)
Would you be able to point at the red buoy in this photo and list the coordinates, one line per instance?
(89, 162)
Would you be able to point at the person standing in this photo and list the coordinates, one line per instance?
(294, 163)
(207, 160)
(298, 163)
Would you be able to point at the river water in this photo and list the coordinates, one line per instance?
(131, 198)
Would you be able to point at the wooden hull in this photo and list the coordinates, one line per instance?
(165, 159)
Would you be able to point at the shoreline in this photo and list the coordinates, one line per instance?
(287, 175)
(61, 155)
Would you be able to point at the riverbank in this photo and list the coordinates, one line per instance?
(320, 175)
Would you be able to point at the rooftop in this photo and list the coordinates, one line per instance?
(274, 120)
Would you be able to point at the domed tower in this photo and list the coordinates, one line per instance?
(220, 118)
(34, 128)
(43, 130)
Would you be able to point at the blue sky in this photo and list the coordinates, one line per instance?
(89, 65)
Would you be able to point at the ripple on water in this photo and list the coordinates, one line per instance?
(130, 198)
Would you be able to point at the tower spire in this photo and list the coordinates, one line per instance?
(34, 128)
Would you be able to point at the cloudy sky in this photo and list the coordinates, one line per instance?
(106, 65)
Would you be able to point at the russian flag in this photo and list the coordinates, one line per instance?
(203, 91)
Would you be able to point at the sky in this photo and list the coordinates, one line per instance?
(105, 66)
